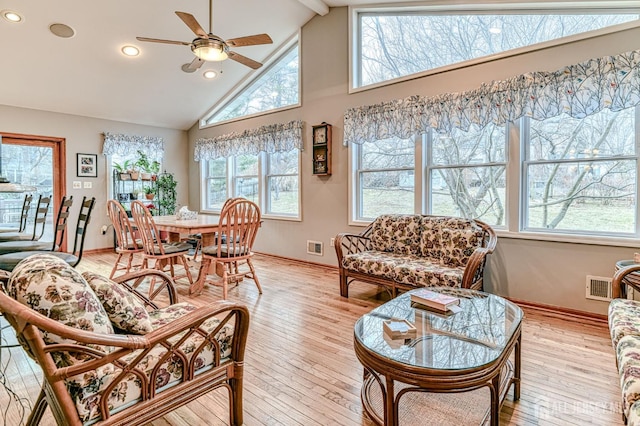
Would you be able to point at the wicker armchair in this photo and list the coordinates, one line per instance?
(93, 375)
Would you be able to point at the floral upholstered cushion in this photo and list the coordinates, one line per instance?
(452, 241)
(421, 272)
(157, 370)
(624, 319)
(125, 310)
(396, 233)
(633, 418)
(628, 354)
(430, 238)
(373, 263)
(406, 269)
(51, 287)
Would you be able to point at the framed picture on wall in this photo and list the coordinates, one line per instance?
(87, 165)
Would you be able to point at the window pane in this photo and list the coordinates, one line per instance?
(246, 165)
(277, 87)
(387, 192)
(604, 134)
(217, 167)
(472, 192)
(583, 196)
(397, 45)
(247, 187)
(473, 147)
(388, 154)
(284, 163)
(216, 192)
(283, 194)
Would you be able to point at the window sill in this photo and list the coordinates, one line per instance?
(597, 240)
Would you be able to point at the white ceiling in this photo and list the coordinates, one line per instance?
(87, 74)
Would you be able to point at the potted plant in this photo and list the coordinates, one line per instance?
(123, 169)
(149, 192)
(166, 190)
(147, 167)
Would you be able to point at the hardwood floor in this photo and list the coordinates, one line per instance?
(301, 368)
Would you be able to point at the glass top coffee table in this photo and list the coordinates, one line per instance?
(450, 353)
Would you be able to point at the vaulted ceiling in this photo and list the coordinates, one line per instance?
(88, 75)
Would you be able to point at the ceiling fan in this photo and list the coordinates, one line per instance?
(210, 47)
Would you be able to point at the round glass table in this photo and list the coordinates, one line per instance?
(457, 352)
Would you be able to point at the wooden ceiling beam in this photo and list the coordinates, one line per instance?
(318, 6)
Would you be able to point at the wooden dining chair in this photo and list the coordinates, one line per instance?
(239, 224)
(24, 216)
(59, 233)
(39, 224)
(9, 261)
(127, 246)
(163, 254)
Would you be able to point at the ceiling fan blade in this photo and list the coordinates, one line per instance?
(244, 60)
(157, 40)
(251, 40)
(192, 23)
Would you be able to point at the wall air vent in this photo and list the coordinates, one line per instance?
(314, 247)
(598, 288)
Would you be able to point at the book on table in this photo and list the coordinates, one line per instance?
(437, 301)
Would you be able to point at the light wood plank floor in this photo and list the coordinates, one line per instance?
(301, 368)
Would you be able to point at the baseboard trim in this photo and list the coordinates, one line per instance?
(291, 259)
(100, 250)
(560, 312)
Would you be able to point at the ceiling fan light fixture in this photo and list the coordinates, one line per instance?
(209, 74)
(209, 50)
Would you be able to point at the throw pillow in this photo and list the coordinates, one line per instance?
(125, 310)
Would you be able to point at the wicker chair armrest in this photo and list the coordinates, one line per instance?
(618, 286)
(347, 243)
(163, 283)
(223, 309)
(475, 266)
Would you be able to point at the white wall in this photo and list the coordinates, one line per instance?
(536, 271)
(84, 135)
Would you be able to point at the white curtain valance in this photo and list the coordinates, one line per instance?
(578, 90)
(271, 138)
(117, 143)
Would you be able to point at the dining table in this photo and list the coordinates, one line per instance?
(205, 225)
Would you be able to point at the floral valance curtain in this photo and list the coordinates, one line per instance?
(271, 138)
(123, 145)
(578, 90)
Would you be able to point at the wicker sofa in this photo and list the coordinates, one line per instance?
(111, 355)
(624, 325)
(408, 251)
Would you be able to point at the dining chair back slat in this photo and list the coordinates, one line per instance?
(126, 243)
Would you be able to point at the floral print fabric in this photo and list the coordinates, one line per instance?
(396, 233)
(160, 369)
(628, 354)
(52, 288)
(624, 319)
(125, 310)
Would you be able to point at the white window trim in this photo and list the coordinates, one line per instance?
(262, 188)
(354, 34)
(253, 76)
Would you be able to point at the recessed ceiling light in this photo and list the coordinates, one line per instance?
(12, 16)
(495, 30)
(130, 50)
(209, 74)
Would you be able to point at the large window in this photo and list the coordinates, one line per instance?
(581, 173)
(275, 88)
(270, 180)
(392, 45)
(568, 175)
